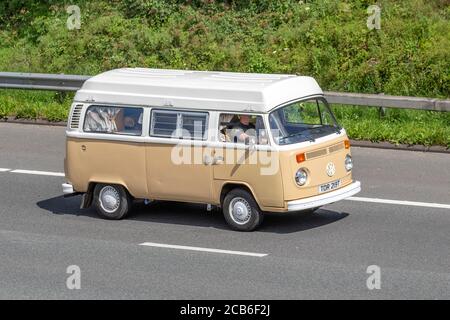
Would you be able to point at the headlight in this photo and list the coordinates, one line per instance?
(301, 176)
(348, 163)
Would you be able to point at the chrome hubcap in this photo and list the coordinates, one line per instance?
(240, 210)
(109, 199)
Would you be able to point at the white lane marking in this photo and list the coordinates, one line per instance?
(401, 202)
(360, 199)
(170, 246)
(39, 173)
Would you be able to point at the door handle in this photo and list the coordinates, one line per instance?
(218, 160)
(207, 160)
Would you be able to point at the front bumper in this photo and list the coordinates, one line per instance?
(323, 199)
(67, 188)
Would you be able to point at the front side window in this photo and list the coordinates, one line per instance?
(179, 124)
(242, 128)
(114, 120)
(302, 121)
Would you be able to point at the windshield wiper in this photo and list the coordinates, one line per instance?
(309, 137)
(336, 129)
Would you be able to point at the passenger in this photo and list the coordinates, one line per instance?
(102, 119)
(133, 121)
(130, 123)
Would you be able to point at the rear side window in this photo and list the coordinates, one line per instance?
(164, 123)
(179, 124)
(114, 120)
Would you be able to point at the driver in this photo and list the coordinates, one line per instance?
(242, 131)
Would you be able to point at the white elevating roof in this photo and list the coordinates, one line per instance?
(208, 90)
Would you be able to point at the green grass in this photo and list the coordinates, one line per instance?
(326, 39)
(362, 123)
(23, 104)
(397, 126)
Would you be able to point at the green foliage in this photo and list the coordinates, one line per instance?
(326, 39)
(34, 105)
(397, 126)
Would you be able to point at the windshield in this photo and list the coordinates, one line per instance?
(302, 121)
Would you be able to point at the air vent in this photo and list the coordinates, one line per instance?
(75, 118)
(316, 153)
(336, 147)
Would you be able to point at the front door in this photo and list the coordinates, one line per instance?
(243, 156)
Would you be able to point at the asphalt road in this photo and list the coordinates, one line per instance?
(323, 255)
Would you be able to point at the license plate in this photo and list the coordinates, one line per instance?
(329, 186)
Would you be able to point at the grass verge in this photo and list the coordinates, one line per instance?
(362, 123)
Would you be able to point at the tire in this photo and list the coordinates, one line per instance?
(119, 201)
(241, 211)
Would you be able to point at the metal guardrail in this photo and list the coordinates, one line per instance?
(378, 100)
(41, 81)
(61, 82)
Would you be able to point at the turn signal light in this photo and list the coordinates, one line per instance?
(300, 157)
(347, 144)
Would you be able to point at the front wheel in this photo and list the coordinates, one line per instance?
(241, 210)
(111, 201)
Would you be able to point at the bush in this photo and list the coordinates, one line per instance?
(326, 39)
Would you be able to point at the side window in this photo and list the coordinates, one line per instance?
(163, 123)
(179, 124)
(242, 128)
(194, 125)
(114, 120)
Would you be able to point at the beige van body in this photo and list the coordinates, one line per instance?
(143, 163)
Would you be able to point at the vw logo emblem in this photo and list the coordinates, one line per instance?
(331, 169)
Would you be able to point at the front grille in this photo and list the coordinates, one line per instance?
(336, 147)
(316, 153)
(324, 151)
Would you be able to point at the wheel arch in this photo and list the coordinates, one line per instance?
(228, 186)
(88, 197)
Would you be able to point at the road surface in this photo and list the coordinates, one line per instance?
(322, 255)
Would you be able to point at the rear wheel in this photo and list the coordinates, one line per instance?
(111, 201)
(241, 210)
